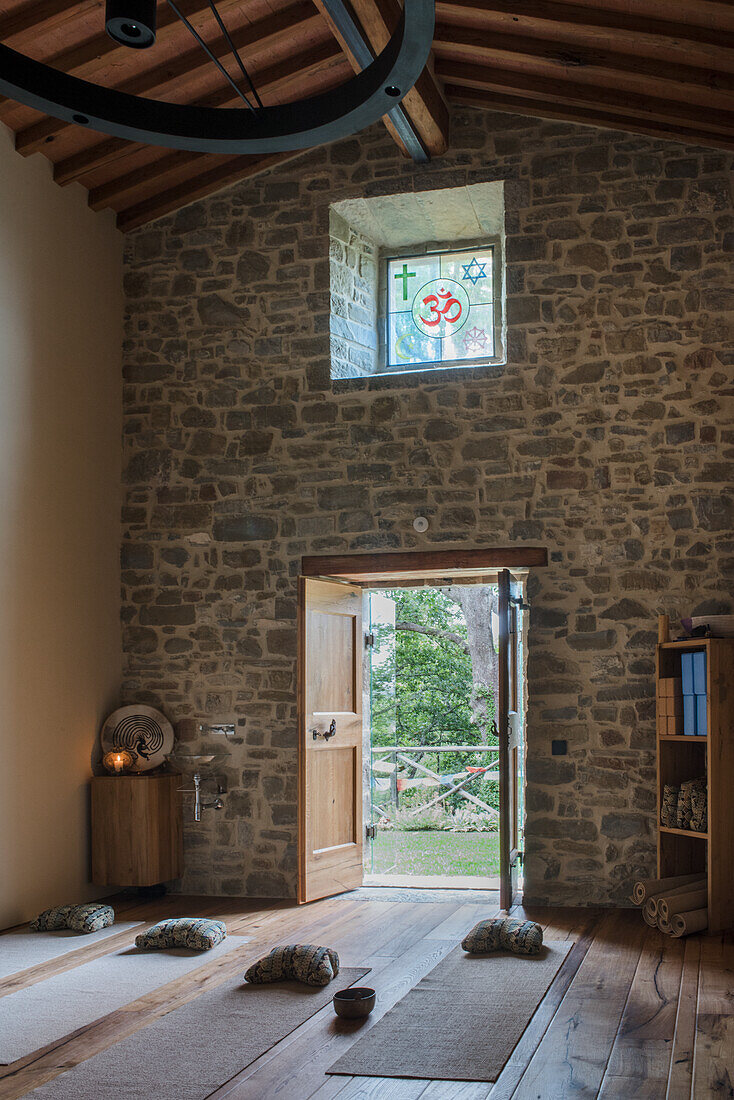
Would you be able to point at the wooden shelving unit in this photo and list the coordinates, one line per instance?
(680, 757)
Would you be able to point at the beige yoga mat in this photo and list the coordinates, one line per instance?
(40, 1014)
(645, 888)
(194, 1050)
(655, 904)
(684, 924)
(23, 949)
(461, 1022)
(686, 902)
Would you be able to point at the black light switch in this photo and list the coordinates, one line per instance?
(559, 748)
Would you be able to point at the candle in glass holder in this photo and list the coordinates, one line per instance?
(118, 761)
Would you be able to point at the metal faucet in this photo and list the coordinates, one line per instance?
(199, 804)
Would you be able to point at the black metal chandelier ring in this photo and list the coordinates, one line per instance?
(327, 117)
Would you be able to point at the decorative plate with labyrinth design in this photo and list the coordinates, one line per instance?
(143, 731)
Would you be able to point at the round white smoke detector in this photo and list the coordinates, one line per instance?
(420, 523)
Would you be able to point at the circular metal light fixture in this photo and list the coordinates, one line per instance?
(131, 22)
(358, 103)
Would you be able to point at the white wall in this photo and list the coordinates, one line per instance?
(60, 414)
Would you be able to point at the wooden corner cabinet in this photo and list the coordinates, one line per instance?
(137, 829)
(709, 752)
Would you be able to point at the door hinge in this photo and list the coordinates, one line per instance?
(369, 641)
(370, 832)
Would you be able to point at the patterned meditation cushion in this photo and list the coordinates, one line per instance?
(195, 933)
(79, 918)
(91, 918)
(51, 920)
(301, 962)
(521, 937)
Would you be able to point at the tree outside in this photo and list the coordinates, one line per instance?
(433, 685)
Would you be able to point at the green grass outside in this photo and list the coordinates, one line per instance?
(427, 852)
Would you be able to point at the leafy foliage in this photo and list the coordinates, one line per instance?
(421, 692)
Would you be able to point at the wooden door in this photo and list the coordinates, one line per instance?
(510, 725)
(330, 738)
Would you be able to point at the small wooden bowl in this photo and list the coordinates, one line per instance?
(354, 1003)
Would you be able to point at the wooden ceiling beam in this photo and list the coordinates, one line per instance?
(595, 78)
(424, 106)
(107, 152)
(300, 70)
(72, 168)
(633, 24)
(704, 13)
(572, 92)
(477, 46)
(230, 171)
(265, 34)
(574, 49)
(589, 116)
(357, 51)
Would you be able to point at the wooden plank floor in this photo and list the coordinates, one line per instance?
(631, 1014)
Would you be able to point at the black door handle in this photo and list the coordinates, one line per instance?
(331, 732)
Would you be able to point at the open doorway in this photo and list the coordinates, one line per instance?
(431, 743)
(341, 600)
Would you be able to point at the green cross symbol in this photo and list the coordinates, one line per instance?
(405, 275)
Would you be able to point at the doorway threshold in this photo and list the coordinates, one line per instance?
(435, 882)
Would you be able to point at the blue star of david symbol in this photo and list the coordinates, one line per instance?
(474, 271)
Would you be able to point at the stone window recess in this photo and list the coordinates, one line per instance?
(417, 281)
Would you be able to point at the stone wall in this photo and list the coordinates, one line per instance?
(608, 438)
(353, 346)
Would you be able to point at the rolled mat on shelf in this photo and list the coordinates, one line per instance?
(669, 806)
(686, 819)
(647, 887)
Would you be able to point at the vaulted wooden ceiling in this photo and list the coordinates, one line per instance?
(660, 67)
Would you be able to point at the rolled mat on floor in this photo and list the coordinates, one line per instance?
(647, 887)
(649, 917)
(683, 924)
(688, 902)
(653, 903)
(675, 905)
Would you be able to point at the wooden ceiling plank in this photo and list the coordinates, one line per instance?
(517, 105)
(703, 13)
(302, 68)
(32, 21)
(274, 80)
(477, 45)
(569, 91)
(264, 35)
(589, 17)
(95, 55)
(232, 171)
(571, 48)
(690, 85)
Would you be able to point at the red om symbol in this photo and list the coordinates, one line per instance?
(443, 312)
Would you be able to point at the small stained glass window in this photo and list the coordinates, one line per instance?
(441, 309)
